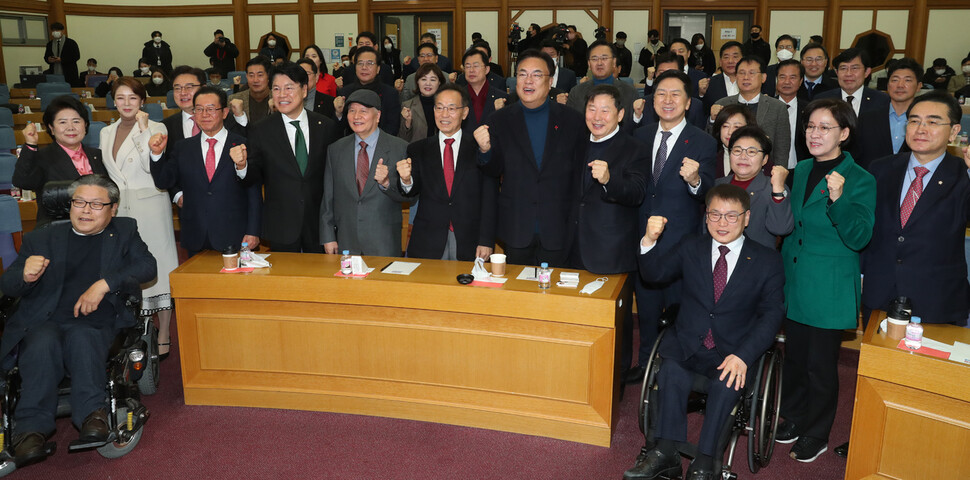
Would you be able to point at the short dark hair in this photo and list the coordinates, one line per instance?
(323, 63)
(939, 62)
(850, 54)
(218, 32)
(954, 111)
(210, 90)
(92, 60)
(57, 26)
(667, 57)
(905, 63)
(368, 35)
(367, 50)
(433, 47)
(754, 132)
(785, 37)
(199, 74)
(116, 70)
(476, 36)
(486, 46)
(755, 26)
(814, 45)
(471, 52)
(549, 43)
(727, 112)
(605, 89)
(156, 32)
(597, 44)
(262, 61)
(841, 111)
(451, 87)
(965, 60)
(65, 102)
(792, 62)
(728, 45)
(97, 180)
(653, 31)
(306, 61)
(533, 53)
(209, 71)
(426, 69)
(682, 40)
(430, 35)
(294, 71)
(753, 59)
(620, 34)
(679, 75)
(729, 193)
(144, 61)
(572, 27)
(815, 39)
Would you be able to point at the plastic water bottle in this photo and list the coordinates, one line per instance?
(914, 334)
(31, 94)
(545, 276)
(245, 255)
(346, 263)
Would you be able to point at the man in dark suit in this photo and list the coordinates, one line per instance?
(368, 66)
(725, 83)
(315, 101)
(882, 132)
(218, 210)
(852, 67)
(456, 220)
(815, 59)
(682, 166)
(72, 280)
(917, 247)
(564, 79)
(784, 51)
(695, 113)
(222, 53)
(287, 154)
(787, 83)
(62, 54)
(481, 88)
(535, 147)
(732, 307)
(382, 75)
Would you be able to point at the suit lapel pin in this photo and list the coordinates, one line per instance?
(749, 258)
(941, 182)
(685, 141)
(555, 127)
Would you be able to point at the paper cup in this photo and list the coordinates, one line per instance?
(230, 261)
(896, 329)
(498, 264)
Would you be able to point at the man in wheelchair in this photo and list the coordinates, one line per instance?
(731, 308)
(72, 280)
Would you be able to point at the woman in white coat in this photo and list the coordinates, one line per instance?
(126, 157)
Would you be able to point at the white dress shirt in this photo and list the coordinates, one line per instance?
(188, 124)
(792, 118)
(291, 130)
(731, 87)
(856, 99)
(441, 149)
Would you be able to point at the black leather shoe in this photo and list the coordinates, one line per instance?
(842, 450)
(700, 474)
(29, 448)
(786, 432)
(95, 427)
(654, 464)
(634, 375)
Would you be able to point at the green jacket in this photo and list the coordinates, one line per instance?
(822, 277)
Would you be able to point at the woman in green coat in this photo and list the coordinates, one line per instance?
(833, 200)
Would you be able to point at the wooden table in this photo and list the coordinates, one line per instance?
(25, 92)
(912, 411)
(418, 347)
(28, 214)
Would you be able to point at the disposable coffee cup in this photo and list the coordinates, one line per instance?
(498, 264)
(230, 261)
(896, 328)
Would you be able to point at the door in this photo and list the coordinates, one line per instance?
(441, 32)
(723, 31)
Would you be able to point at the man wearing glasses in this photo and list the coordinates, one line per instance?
(480, 86)
(732, 307)
(456, 220)
(218, 210)
(815, 59)
(882, 132)
(68, 276)
(852, 68)
(368, 67)
(427, 53)
(602, 65)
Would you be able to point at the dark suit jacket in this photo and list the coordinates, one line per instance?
(715, 91)
(471, 123)
(125, 264)
(223, 58)
(160, 56)
(390, 105)
(470, 208)
(323, 104)
(70, 55)
(223, 210)
(871, 99)
(532, 199)
(173, 123)
(292, 199)
(801, 147)
(768, 88)
(925, 260)
(823, 87)
(606, 215)
(874, 139)
(745, 319)
(567, 79)
(51, 163)
(670, 196)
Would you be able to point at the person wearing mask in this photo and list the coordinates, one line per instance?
(784, 50)
(158, 53)
(104, 88)
(338, 68)
(701, 56)
(391, 57)
(326, 83)
(144, 69)
(222, 53)
(417, 114)
(815, 59)
(427, 53)
(276, 51)
(939, 75)
(852, 68)
(577, 48)
(624, 58)
(91, 70)
(789, 81)
(728, 120)
(882, 132)
(563, 79)
(253, 104)
(961, 80)
(159, 86)
(368, 67)
(531, 39)
(756, 45)
(699, 80)
(316, 101)
(62, 54)
(833, 204)
(653, 47)
(724, 84)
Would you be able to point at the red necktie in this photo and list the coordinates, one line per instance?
(363, 168)
(210, 158)
(449, 166)
(912, 195)
(195, 127)
(720, 280)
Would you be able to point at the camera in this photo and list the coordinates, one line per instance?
(560, 34)
(601, 33)
(515, 34)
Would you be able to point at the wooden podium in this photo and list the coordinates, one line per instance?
(419, 347)
(912, 411)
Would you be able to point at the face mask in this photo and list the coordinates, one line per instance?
(940, 71)
(755, 35)
(157, 39)
(57, 34)
(966, 69)
(91, 69)
(699, 47)
(620, 43)
(346, 63)
(387, 46)
(271, 43)
(157, 80)
(146, 69)
(784, 55)
(654, 41)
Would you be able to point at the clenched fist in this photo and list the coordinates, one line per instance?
(30, 134)
(141, 118)
(638, 105)
(601, 171)
(404, 170)
(406, 115)
(655, 227)
(499, 103)
(399, 84)
(778, 176)
(835, 182)
(238, 155)
(716, 109)
(483, 138)
(157, 143)
(338, 105)
(562, 98)
(236, 105)
(651, 72)
(689, 171)
(702, 86)
(34, 267)
(237, 80)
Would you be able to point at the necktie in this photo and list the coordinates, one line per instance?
(302, 157)
(658, 164)
(58, 48)
(912, 195)
(195, 127)
(849, 100)
(449, 166)
(720, 280)
(210, 158)
(363, 168)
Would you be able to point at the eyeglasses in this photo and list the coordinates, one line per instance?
(823, 129)
(426, 55)
(850, 68)
(533, 75)
(601, 58)
(185, 88)
(731, 217)
(751, 152)
(366, 63)
(813, 59)
(916, 123)
(451, 109)
(209, 110)
(473, 66)
(95, 205)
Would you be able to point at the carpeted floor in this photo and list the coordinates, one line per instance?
(248, 443)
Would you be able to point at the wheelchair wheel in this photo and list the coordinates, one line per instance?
(148, 383)
(120, 448)
(649, 380)
(765, 406)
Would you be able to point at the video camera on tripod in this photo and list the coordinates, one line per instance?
(515, 34)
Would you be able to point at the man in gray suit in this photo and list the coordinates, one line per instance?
(358, 212)
(602, 64)
(770, 113)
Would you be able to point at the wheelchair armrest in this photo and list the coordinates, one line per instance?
(669, 315)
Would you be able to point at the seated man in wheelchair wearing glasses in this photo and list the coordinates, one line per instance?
(69, 277)
(731, 308)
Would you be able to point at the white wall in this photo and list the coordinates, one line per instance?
(14, 57)
(854, 22)
(288, 25)
(947, 37)
(636, 25)
(801, 24)
(327, 26)
(485, 23)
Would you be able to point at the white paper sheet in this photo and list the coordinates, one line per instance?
(531, 274)
(401, 268)
(960, 352)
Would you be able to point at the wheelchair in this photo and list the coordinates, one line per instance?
(132, 369)
(755, 415)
